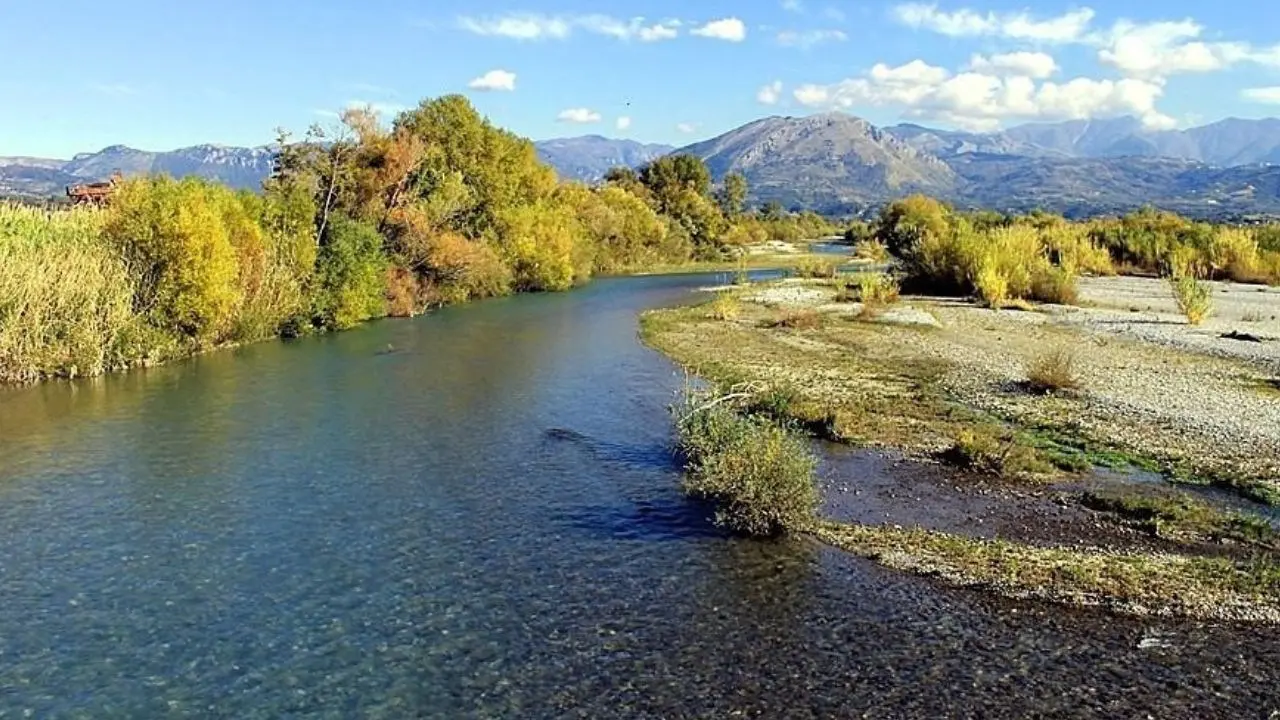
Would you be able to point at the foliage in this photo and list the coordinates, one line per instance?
(732, 196)
(1193, 297)
(350, 274)
(816, 268)
(985, 451)
(185, 241)
(799, 319)
(759, 475)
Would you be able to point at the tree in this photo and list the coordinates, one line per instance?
(733, 194)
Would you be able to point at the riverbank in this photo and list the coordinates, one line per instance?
(945, 381)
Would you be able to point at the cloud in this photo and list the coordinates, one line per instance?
(1035, 65)
(687, 128)
(1069, 27)
(770, 94)
(1161, 49)
(982, 101)
(795, 6)
(730, 29)
(115, 89)
(1266, 95)
(581, 116)
(624, 123)
(534, 26)
(810, 38)
(494, 81)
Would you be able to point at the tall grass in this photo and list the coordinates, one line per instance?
(65, 297)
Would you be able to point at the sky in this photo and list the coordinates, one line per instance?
(158, 74)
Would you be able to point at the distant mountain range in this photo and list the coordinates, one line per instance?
(42, 177)
(840, 163)
(589, 157)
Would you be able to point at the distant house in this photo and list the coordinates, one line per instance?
(94, 193)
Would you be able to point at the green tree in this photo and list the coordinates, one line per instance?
(733, 195)
(350, 274)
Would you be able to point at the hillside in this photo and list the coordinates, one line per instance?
(823, 160)
(42, 177)
(589, 157)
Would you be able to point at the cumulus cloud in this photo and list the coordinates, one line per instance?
(687, 128)
(624, 123)
(495, 81)
(810, 38)
(1069, 27)
(770, 94)
(731, 29)
(581, 116)
(1160, 49)
(1036, 65)
(534, 26)
(983, 101)
(1267, 95)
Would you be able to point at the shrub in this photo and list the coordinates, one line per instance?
(992, 286)
(176, 237)
(350, 274)
(906, 224)
(878, 289)
(724, 307)
(759, 476)
(1054, 285)
(816, 268)
(1234, 254)
(1053, 371)
(541, 243)
(1194, 298)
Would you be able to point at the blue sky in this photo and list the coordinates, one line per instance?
(160, 74)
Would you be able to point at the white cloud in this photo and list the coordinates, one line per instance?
(834, 14)
(810, 38)
(1161, 49)
(115, 89)
(1267, 95)
(795, 6)
(624, 123)
(981, 101)
(731, 29)
(687, 128)
(494, 81)
(1069, 27)
(1036, 65)
(770, 94)
(581, 116)
(534, 26)
(519, 26)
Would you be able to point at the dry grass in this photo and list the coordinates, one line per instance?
(725, 306)
(799, 319)
(65, 298)
(1053, 371)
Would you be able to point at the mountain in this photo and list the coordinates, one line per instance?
(42, 177)
(589, 157)
(838, 163)
(826, 159)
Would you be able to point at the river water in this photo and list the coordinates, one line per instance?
(474, 514)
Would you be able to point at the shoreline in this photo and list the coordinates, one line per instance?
(894, 383)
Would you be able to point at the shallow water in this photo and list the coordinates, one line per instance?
(474, 514)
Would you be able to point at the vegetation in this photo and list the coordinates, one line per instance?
(1178, 515)
(759, 475)
(726, 306)
(1004, 259)
(368, 220)
(1193, 297)
(1053, 371)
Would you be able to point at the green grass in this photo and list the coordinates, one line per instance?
(1177, 515)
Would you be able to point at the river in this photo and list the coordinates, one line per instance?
(474, 514)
